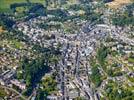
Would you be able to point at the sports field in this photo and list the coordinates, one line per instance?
(5, 4)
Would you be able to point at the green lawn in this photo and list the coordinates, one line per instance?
(5, 4)
(2, 93)
(17, 44)
(131, 60)
(38, 1)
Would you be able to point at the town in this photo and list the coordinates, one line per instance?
(65, 50)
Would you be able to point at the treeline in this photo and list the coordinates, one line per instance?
(38, 8)
(123, 20)
(32, 72)
(35, 11)
(106, 1)
(96, 76)
(15, 5)
(6, 22)
(126, 18)
(85, 1)
(102, 54)
(58, 13)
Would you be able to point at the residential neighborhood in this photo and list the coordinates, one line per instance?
(67, 50)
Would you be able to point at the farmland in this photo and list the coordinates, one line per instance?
(1, 29)
(118, 3)
(5, 4)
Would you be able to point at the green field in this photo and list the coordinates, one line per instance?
(131, 60)
(5, 4)
(2, 93)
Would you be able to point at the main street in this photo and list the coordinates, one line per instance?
(83, 85)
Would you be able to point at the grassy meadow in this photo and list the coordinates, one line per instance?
(5, 4)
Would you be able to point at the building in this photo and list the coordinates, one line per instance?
(22, 86)
(52, 97)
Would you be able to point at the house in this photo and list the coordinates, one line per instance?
(33, 98)
(114, 48)
(22, 86)
(2, 82)
(73, 94)
(131, 74)
(52, 97)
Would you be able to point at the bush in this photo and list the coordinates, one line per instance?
(96, 76)
(102, 54)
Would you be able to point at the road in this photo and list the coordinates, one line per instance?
(62, 64)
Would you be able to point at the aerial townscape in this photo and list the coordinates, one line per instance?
(66, 49)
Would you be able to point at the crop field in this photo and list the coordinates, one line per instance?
(118, 3)
(5, 4)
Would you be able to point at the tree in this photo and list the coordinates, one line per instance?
(110, 72)
(85, 1)
(41, 95)
(49, 84)
(96, 76)
(102, 54)
(28, 80)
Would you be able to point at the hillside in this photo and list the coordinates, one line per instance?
(118, 3)
(5, 4)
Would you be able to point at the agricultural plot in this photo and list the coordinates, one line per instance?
(5, 4)
(118, 3)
